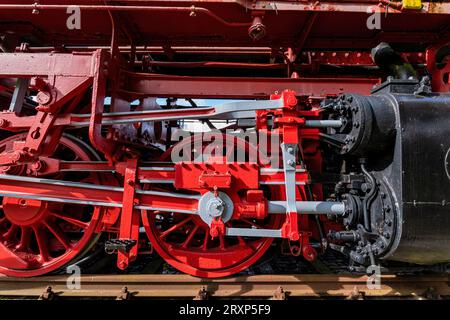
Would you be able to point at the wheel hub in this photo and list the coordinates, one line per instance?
(24, 212)
(216, 208)
(211, 207)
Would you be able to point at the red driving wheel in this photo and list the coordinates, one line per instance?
(184, 241)
(37, 236)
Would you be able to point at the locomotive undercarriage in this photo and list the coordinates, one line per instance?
(349, 163)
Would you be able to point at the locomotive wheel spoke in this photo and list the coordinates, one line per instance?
(59, 235)
(175, 227)
(71, 220)
(12, 231)
(25, 238)
(190, 236)
(42, 242)
(241, 240)
(205, 239)
(222, 242)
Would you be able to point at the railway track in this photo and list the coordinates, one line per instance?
(261, 286)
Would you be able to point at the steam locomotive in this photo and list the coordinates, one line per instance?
(111, 138)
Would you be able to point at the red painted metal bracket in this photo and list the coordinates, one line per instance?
(130, 218)
(220, 175)
(107, 147)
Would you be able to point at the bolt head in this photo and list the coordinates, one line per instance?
(38, 165)
(291, 101)
(43, 98)
(216, 208)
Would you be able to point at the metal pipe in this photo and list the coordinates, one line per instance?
(215, 64)
(369, 197)
(323, 123)
(309, 207)
(160, 50)
(192, 10)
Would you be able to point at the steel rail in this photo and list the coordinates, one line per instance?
(260, 286)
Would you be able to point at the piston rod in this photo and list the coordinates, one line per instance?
(309, 207)
(323, 123)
